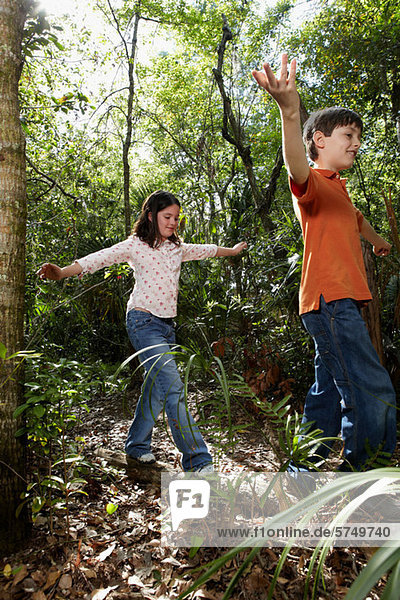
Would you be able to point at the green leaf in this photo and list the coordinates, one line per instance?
(68, 460)
(38, 504)
(111, 508)
(391, 591)
(25, 354)
(21, 431)
(196, 542)
(20, 409)
(3, 351)
(58, 44)
(157, 575)
(39, 410)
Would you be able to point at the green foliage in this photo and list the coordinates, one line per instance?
(55, 398)
(386, 558)
(21, 354)
(52, 406)
(291, 440)
(348, 54)
(17, 359)
(361, 56)
(55, 404)
(54, 492)
(38, 33)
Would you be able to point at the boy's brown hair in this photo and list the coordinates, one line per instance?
(326, 120)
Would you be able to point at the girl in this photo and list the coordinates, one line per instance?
(155, 252)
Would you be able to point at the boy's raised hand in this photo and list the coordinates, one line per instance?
(282, 87)
(283, 90)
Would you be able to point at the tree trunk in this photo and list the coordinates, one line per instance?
(12, 271)
(130, 54)
(128, 137)
(371, 312)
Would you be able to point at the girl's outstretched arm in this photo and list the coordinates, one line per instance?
(54, 272)
(231, 251)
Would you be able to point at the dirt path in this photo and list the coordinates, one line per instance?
(119, 556)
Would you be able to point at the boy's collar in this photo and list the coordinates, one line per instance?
(329, 174)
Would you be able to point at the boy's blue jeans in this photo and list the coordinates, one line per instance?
(162, 389)
(352, 393)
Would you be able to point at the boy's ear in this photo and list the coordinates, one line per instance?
(319, 140)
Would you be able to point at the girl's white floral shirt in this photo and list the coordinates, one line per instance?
(156, 270)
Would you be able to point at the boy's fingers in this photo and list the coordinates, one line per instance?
(284, 71)
(256, 76)
(269, 74)
(261, 78)
(292, 70)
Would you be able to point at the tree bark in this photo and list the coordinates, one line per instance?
(12, 271)
(371, 312)
(395, 98)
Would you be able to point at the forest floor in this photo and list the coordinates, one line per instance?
(120, 556)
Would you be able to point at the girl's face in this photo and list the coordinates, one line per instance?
(167, 221)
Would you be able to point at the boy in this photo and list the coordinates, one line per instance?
(352, 393)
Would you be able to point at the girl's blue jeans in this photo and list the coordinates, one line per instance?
(352, 393)
(162, 390)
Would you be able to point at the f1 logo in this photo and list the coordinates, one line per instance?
(189, 499)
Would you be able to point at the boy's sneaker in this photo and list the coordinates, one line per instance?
(208, 468)
(146, 459)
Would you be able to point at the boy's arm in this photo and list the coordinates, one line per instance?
(283, 90)
(381, 246)
(54, 272)
(231, 251)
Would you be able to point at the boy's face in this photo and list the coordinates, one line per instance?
(338, 151)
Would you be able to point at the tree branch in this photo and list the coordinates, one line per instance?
(52, 181)
(232, 132)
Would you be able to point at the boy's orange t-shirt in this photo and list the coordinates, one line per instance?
(333, 263)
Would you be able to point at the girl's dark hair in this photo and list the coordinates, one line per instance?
(326, 120)
(147, 230)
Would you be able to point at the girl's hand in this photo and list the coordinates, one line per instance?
(50, 271)
(221, 251)
(238, 248)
